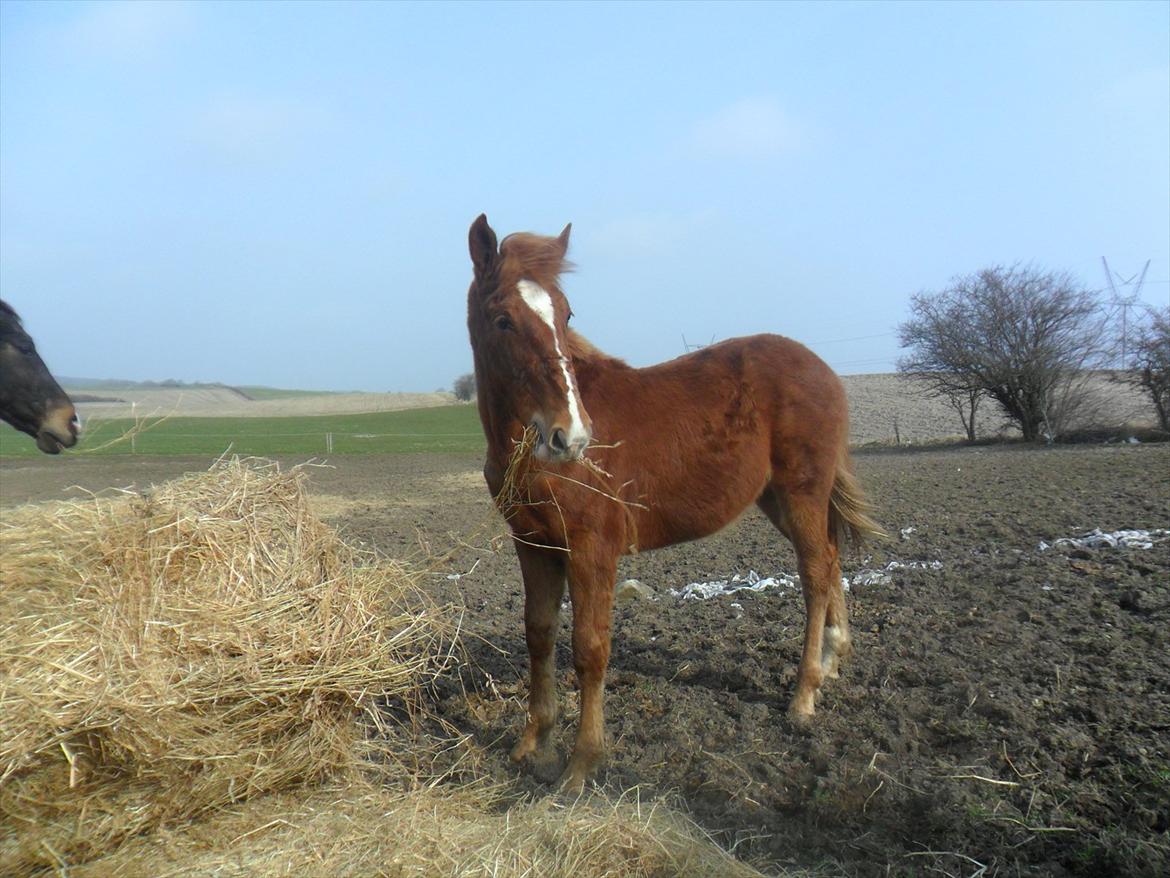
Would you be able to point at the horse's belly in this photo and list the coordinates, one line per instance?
(680, 518)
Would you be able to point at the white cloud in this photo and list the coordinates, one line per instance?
(750, 128)
(1141, 93)
(128, 30)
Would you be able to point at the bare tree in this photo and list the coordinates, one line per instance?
(965, 401)
(464, 388)
(1150, 369)
(1021, 336)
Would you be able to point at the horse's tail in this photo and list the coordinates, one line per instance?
(849, 511)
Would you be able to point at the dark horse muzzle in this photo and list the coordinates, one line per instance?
(59, 429)
(31, 400)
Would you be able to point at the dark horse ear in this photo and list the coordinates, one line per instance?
(481, 241)
(563, 239)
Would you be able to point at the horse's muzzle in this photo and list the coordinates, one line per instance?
(59, 429)
(559, 446)
(565, 449)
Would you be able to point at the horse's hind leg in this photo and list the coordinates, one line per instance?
(837, 642)
(804, 519)
(544, 584)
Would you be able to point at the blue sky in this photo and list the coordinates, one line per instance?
(280, 194)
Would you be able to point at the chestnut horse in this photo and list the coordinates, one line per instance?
(30, 399)
(589, 458)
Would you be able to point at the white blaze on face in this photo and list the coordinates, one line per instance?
(538, 299)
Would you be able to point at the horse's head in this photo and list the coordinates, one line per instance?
(30, 399)
(518, 319)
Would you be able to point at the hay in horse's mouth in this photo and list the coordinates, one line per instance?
(49, 442)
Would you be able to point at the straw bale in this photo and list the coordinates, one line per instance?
(174, 651)
(194, 681)
(362, 831)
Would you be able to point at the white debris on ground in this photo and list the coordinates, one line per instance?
(867, 577)
(455, 577)
(1098, 539)
(752, 581)
(906, 531)
(882, 577)
(701, 591)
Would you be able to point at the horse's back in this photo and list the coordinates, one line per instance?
(702, 435)
(775, 383)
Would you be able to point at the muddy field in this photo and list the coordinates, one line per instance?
(1007, 710)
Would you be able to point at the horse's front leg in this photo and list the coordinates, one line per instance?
(544, 584)
(591, 580)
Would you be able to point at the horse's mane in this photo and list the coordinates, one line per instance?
(536, 257)
(9, 320)
(583, 351)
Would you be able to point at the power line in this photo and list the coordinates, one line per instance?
(853, 338)
(872, 361)
(1124, 303)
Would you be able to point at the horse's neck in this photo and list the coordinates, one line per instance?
(589, 361)
(498, 420)
(596, 372)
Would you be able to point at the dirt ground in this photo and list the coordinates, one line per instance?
(1006, 710)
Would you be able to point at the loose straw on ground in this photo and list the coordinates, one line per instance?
(360, 831)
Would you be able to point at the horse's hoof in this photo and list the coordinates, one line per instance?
(801, 723)
(801, 717)
(532, 741)
(544, 765)
(578, 771)
(571, 784)
(539, 761)
(522, 751)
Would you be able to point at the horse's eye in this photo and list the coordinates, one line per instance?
(502, 322)
(570, 317)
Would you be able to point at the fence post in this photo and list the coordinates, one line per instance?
(328, 443)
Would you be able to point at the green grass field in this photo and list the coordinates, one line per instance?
(453, 428)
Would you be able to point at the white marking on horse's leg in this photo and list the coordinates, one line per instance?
(829, 646)
(538, 299)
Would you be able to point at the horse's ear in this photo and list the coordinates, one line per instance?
(563, 239)
(481, 241)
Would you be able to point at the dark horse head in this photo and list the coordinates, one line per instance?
(30, 399)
